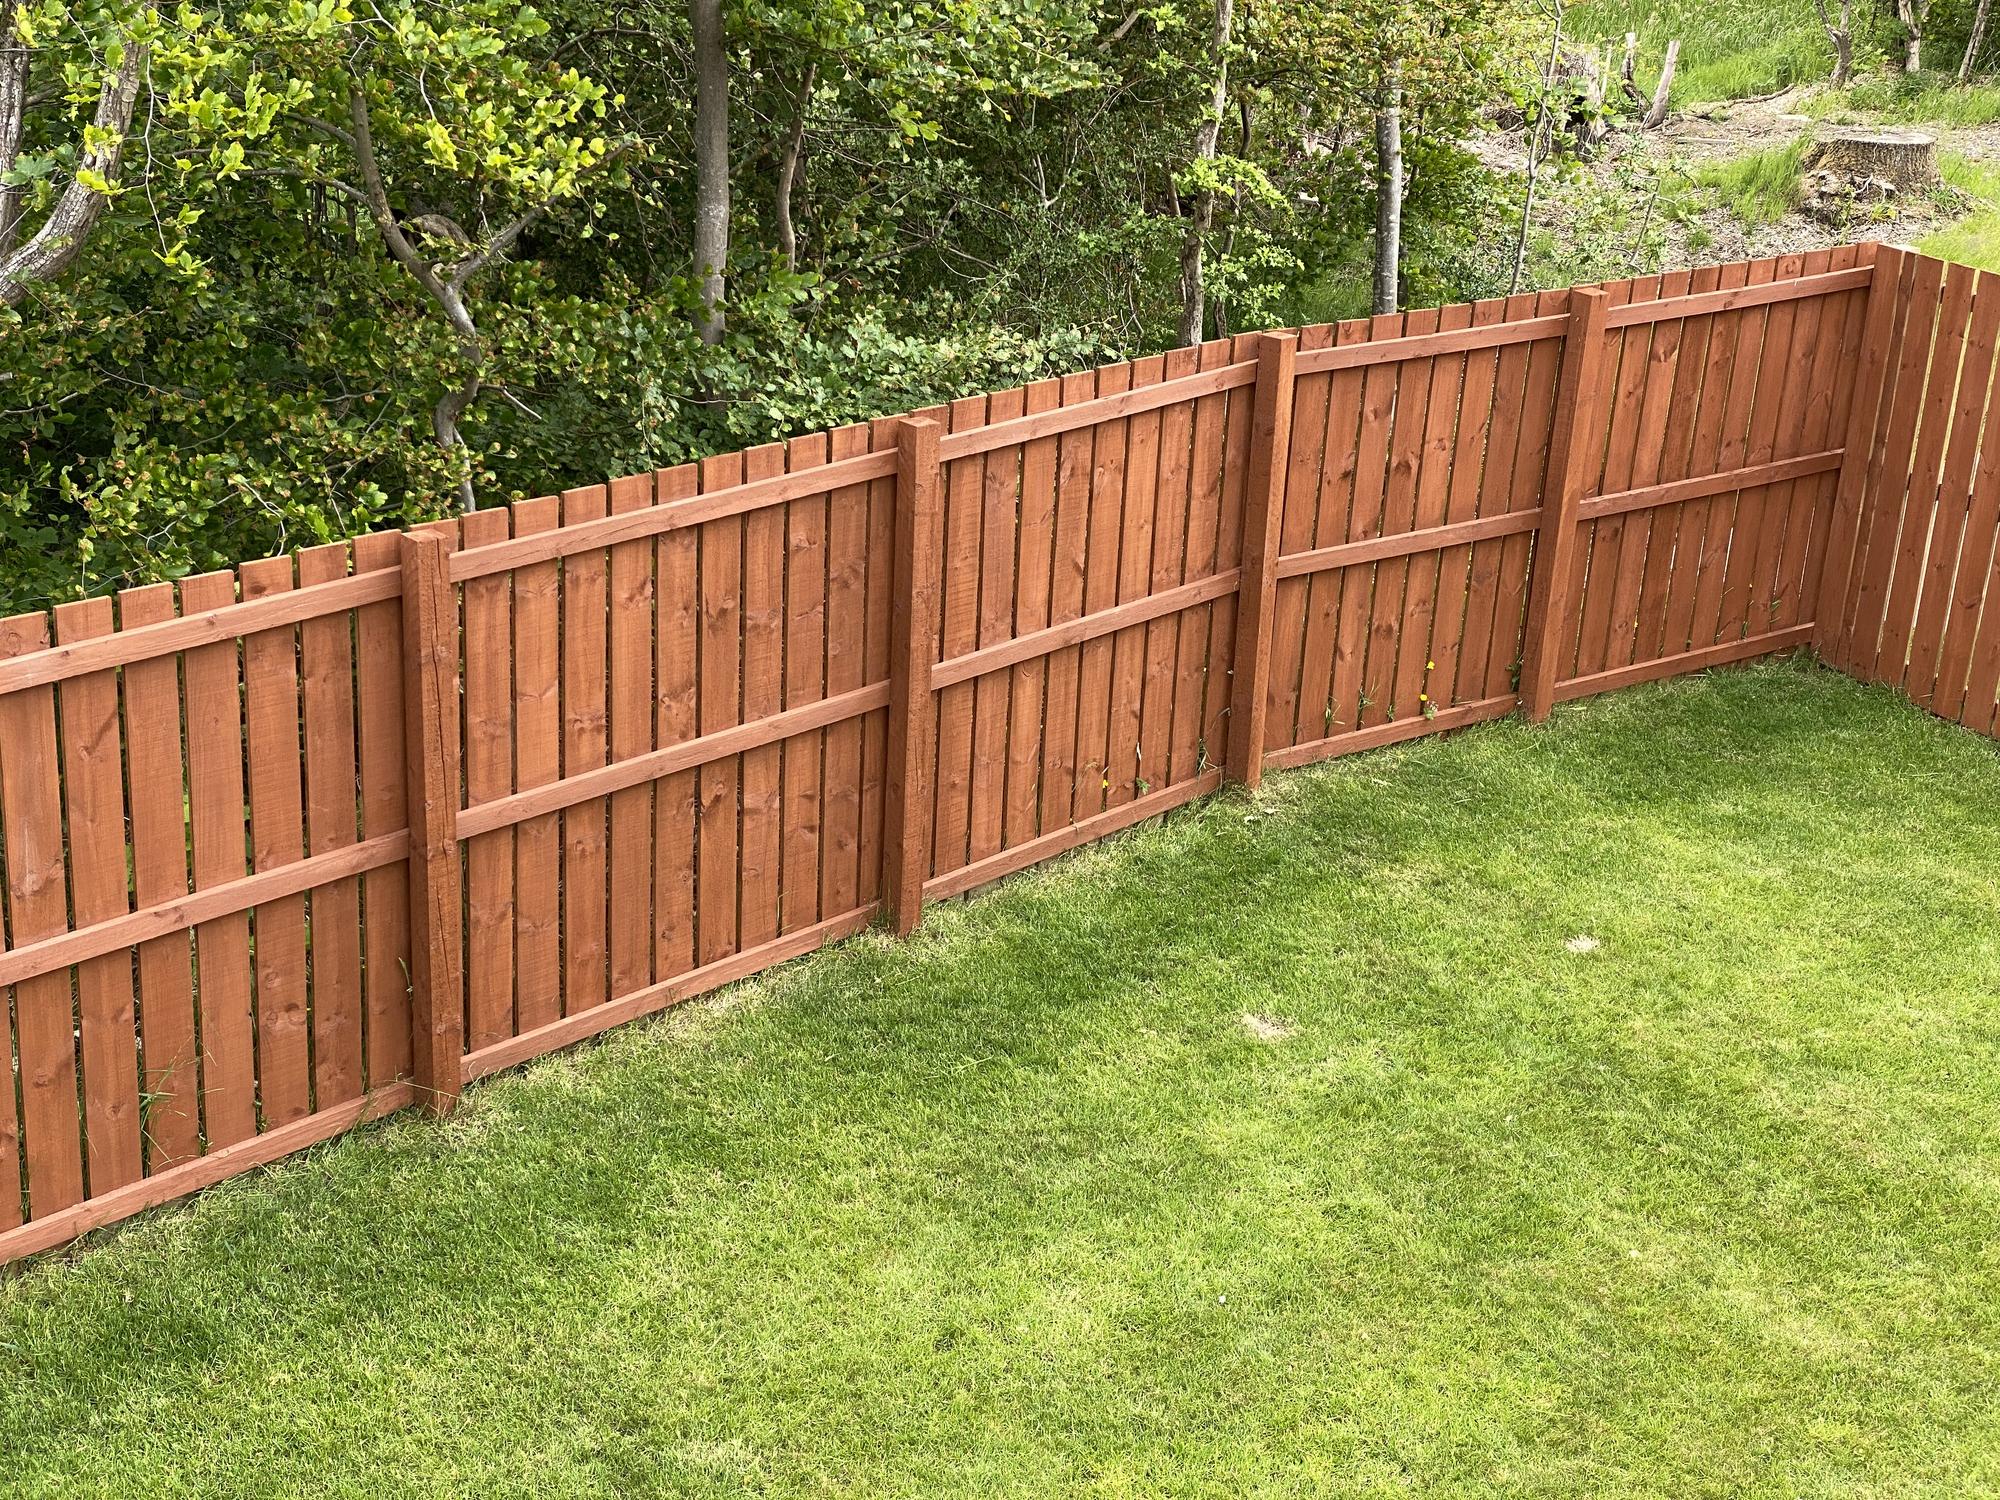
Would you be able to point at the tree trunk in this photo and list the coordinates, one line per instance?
(1907, 159)
(711, 161)
(1538, 139)
(54, 246)
(1913, 14)
(1973, 43)
(1389, 192)
(788, 172)
(1842, 37)
(13, 115)
(1194, 292)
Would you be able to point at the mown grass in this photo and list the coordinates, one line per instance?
(1024, 1207)
(1760, 187)
(1730, 49)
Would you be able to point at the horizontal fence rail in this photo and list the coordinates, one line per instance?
(291, 847)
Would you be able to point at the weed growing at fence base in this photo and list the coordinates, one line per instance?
(1025, 1207)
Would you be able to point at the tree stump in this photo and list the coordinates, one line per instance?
(1904, 159)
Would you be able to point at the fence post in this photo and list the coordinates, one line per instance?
(913, 638)
(1829, 606)
(1573, 443)
(430, 749)
(1257, 592)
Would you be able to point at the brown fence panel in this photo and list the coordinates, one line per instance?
(201, 796)
(1920, 593)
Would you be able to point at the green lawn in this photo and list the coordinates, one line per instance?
(1025, 1207)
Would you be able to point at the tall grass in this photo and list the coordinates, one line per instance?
(1730, 49)
(1760, 188)
(1925, 98)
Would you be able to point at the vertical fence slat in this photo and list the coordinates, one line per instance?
(913, 647)
(1100, 592)
(763, 695)
(1074, 466)
(1132, 575)
(1303, 668)
(94, 797)
(31, 803)
(1169, 568)
(1036, 527)
(430, 713)
(1191, 670)
(172, 1105)
(1419, 624)
(277, 817)
(537, 760)
(489, 774)
(1386, 603)
(585, 740)
(1703, 534)
(1349, 594)
(804, 682)
(1322, 454)
(215, 812)
(878, 588)
(677, 628)
(1472, 456)
(326, 655)
(1569, 465)
(1664, 434)
(630, 915)
(1263, 511)
(385, 893)
(1926, 465)
(999, 516)
(963, 492)
(1499, 494)
(720, 699)
(846, 671)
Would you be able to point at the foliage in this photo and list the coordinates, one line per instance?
(1761, 187)
(368, 261)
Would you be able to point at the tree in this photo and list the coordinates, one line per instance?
(1204, 182)
(98, 149)
(1973, 42)
(1389, 193)
(711, 162)
(1842, 38)
(1915, 15)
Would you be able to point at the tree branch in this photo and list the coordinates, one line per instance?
(60, 239)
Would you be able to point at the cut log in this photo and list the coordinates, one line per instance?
(1906, 159)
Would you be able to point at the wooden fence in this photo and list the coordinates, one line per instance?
(294, 846)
